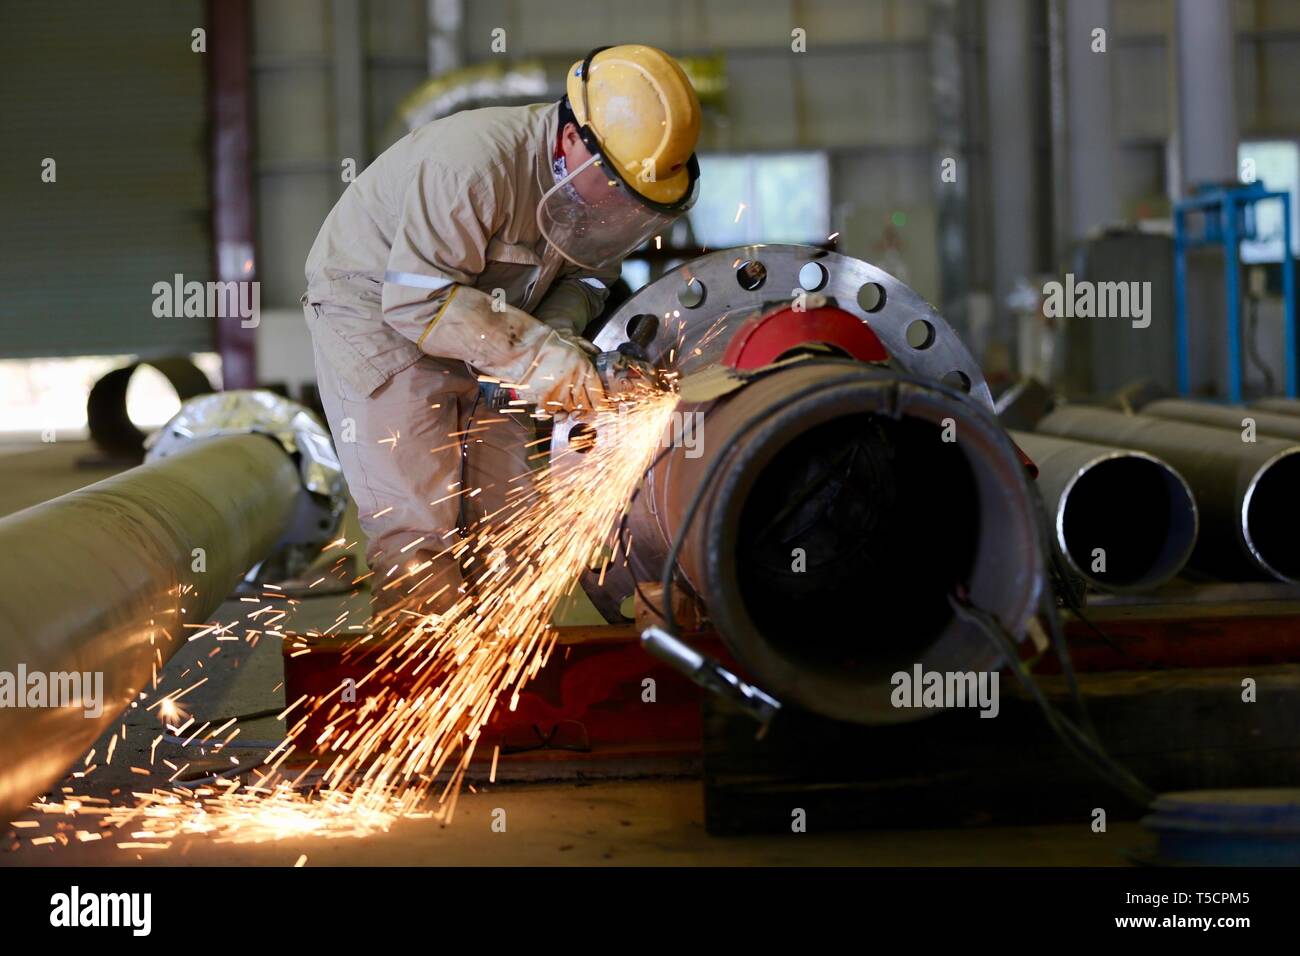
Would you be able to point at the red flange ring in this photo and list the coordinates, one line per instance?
(765, 338)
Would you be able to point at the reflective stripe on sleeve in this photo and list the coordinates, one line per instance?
(416, 281)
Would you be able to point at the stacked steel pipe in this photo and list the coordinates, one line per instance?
(1244, 485)
(1122, 520)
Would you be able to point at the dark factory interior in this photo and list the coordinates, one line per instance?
(768, 434)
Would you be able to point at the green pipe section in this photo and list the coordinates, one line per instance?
(101, 581)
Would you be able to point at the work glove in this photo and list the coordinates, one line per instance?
(549, 367)
(574, 339)
(562, 377)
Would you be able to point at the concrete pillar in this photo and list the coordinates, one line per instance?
(1206, 93)
(948, 106)
(349, 85)
(1205, 150)
(1091, 144)
(1012, 119)
(446, 42)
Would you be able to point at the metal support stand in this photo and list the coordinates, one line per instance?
(1224, 216)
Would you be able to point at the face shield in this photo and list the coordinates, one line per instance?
(595, 215)
(594, 218)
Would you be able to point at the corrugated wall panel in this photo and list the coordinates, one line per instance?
(113, 93)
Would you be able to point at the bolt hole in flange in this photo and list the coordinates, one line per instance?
(751, 275)
(920, 334)
(582, 438)
(812, 276)
(691, 295)
(642, 329)
(958, 380)
(871, 297)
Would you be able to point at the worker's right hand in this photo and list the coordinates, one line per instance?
(548, 367)
(574, 339)
(563, 378)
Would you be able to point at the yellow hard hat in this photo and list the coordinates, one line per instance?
(643, 111)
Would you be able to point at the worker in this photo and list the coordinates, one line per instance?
(478, 247)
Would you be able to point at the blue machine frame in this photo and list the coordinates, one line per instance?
(1227, 216)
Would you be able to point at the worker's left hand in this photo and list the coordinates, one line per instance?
(563, 377)
(573, 338)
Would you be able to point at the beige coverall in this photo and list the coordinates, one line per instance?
(443, 222)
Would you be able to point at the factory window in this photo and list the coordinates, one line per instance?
(1276, 164)
(762, 197)
(636, 273)
(47, 397)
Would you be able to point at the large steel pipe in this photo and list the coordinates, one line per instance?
(1122, 520)
(840, 505)
(1245, 491)
(691, 319)
(838, 520)
(1280, 406)
(102, 581)
(1272, 424)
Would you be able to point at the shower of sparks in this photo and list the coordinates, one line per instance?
(169, 712)
(435, 680)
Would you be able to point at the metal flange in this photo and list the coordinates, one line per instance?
(696, 308)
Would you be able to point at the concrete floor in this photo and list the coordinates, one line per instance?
(614, 821)
(632, 823)
(35, 472)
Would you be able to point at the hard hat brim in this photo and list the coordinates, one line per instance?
(679, 190)
(665, 192)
